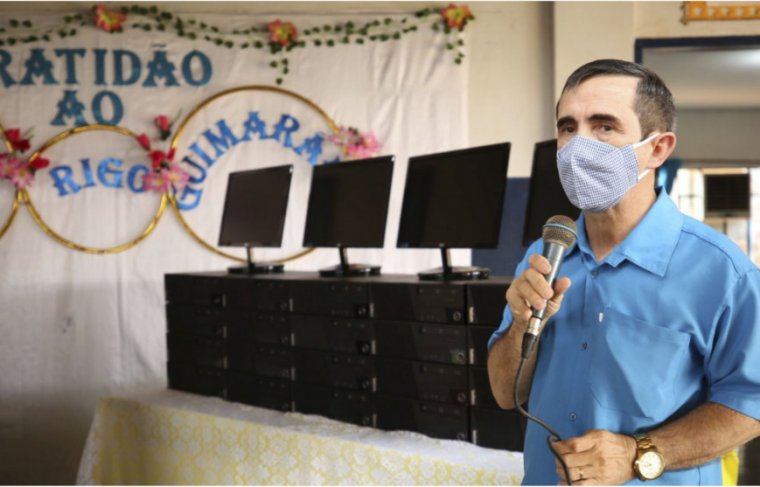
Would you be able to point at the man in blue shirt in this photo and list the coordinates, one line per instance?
(648, 365)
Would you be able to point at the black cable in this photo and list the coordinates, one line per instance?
(553, 436)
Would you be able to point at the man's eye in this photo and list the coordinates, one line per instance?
(606, 128)
(566, 130)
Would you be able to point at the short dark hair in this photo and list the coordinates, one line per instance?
(653, 104)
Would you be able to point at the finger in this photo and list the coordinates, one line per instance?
(522, 295)
(540, 263)
(561, 285)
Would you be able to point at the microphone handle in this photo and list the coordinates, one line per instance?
(554, 253)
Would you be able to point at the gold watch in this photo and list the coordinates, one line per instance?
(649, 464)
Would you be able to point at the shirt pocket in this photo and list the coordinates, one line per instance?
(634, 365)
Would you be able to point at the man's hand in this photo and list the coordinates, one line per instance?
(598, 457)
(530, 289)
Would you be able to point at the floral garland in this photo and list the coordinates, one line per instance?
(13, 166)
(278, 37)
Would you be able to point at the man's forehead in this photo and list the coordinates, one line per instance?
(599, 93)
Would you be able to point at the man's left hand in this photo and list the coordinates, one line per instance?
(598, 457)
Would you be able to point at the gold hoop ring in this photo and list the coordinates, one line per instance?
(16, 197)
(175, 140)
(66, 242)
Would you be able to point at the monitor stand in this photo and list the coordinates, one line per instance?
(252, 267)
(448, 273)
(344, 269)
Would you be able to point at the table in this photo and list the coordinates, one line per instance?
(171, 437)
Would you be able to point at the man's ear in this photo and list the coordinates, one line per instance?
(664, 145)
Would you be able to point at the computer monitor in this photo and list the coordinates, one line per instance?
(546, 197)
(727, 195)
(254, 213)
(348, 207)
(454, 200)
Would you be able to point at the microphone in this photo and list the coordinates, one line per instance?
(559, 234)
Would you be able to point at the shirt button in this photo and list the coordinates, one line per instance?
(594, 274)
(584, 345)
(572, 417)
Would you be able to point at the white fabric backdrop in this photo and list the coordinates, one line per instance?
(76, 326)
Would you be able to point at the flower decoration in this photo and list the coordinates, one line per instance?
(164, 125)
(278, 37)
(282, 33)
(13, 166)
(456, 17)
(354, 144)
(108, 20)
(166, 173)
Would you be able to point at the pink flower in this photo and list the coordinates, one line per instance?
(20, 173)
(108, 20)
(456, 17)
(282, 33)
(166, 178)
(354, 144)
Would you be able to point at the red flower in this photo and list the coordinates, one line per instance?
(157, 158)
(456, 17)
(108, 20)
(282, 33)
(144, 141)
(163, 123)
(16, 140)
(170, 155)
(39, 163)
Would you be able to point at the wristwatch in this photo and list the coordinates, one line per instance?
(649, 463)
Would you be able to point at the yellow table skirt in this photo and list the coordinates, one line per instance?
(170, 437)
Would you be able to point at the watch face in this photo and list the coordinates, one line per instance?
(650, 465)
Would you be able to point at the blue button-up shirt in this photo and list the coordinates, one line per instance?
(667, 321)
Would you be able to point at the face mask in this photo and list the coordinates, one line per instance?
(596, 175)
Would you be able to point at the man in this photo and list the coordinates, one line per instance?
(654, 331)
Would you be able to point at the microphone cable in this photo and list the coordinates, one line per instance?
(553, 436)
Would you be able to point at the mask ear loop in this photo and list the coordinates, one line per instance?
(639, 144)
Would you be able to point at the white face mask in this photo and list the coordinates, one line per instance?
(596, 175)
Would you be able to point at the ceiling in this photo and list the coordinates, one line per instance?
(705, 77)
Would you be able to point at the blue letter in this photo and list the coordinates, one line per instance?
(118, 68)
(69, 107)
(71, 67)
(37, 65)
(194, 179)
(118, 109)
(61, 176)
(88, 180)
(182, 205)
(288, 129)
(5, 60)
(100, 66)
(187, 73)
(132, 175)
(313, 146)
(254, 125)
(223, 142)
(209, 161)
(104, 170)
(160, 67)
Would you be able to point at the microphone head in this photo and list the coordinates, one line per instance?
(560, 230)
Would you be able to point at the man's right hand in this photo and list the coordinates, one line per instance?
(530, 289)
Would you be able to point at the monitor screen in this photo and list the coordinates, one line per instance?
(348, 203)
(254, 207)
(546, 197)
(727, 195)
(454, 199)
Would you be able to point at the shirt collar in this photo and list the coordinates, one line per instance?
(651, 243)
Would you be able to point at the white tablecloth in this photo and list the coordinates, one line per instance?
(171, 437)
